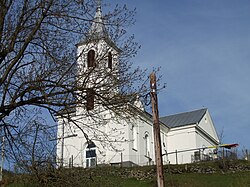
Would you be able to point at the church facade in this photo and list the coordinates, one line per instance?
(185, 137)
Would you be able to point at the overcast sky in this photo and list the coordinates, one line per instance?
(203, 49)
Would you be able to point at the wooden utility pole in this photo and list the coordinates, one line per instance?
(156, 127)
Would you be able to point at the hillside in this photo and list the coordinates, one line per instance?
(228, 173)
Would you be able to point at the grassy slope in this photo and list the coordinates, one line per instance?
(119, 177)
(241, 179)
(175, 180)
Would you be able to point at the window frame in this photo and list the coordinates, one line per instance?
(147, 144)
(134, 138)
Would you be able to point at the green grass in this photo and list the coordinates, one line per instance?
(241, 179)
(135, 183)
(209, 180)
(134, 177)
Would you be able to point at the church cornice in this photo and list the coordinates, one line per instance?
(96, 40)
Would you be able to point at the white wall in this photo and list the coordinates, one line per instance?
(108, 135)
(180, 139)
(115, 152)
(207, 125)
(120, 144)
(191, 137)
(137, 154)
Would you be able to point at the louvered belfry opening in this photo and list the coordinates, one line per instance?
(90, 97)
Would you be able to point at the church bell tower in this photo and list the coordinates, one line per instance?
(97, 50)
(97, 58)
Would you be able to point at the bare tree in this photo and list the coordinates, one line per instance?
(30, 148)
(39, 66)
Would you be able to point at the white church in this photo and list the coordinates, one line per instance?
(185, 137)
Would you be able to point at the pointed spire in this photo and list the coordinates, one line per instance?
(97, 28)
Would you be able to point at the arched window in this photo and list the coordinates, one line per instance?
(110, 60)
(91, 58)
(90, 155)
(134, 136)
(146, 138)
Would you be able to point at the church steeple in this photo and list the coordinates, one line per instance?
(97, 29)
(97, 49)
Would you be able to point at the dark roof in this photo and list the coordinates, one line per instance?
(183, 119)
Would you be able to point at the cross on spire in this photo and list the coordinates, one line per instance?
(98, 14)
(98, 3)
